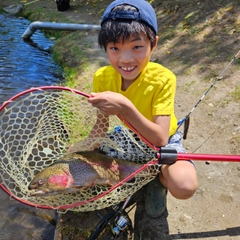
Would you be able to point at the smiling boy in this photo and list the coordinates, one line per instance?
(142, 92)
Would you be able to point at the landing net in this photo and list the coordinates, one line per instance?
(38, 126)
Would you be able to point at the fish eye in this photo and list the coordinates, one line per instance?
(40, 181)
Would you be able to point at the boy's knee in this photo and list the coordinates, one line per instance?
(188, 192)
(185, 190)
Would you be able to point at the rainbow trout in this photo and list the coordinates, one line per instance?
(81, 170)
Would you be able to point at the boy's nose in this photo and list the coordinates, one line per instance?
(126, 57)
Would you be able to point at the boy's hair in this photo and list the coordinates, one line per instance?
(125, 20)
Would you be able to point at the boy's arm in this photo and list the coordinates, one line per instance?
(110, 103)
(156, 132)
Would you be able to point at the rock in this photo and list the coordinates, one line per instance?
(13, 9)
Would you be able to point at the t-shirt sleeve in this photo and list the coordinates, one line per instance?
(163, 103)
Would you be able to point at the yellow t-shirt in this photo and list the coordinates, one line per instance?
(152, 93)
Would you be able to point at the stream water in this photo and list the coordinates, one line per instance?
(24, 65)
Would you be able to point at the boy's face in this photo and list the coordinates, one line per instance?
(130, 57)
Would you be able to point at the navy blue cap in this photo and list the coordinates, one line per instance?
(145, 12)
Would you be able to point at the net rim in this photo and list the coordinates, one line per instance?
(75, 204)
(42, 88)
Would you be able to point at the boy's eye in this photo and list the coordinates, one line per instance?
(114, 48)
(137, 47)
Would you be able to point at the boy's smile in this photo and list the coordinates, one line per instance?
(130, 57)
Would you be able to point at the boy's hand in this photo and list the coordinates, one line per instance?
(109, 103)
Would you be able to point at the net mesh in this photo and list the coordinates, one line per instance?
(36, 130)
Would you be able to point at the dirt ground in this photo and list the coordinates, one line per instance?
(198, 39)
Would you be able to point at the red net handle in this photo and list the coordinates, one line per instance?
(169, 156)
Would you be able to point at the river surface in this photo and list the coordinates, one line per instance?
(24, 65)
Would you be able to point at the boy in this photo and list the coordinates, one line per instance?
(142, 92)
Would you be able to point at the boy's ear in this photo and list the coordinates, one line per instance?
(155, 44)
(156, 41)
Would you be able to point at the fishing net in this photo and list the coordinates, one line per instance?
(39, 125)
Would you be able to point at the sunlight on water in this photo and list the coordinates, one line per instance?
(24, 64)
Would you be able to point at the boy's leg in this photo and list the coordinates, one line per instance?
(180, 179)
(156, 198)
(146, 227)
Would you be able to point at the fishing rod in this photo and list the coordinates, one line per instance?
(185, 120)
(167, 155)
